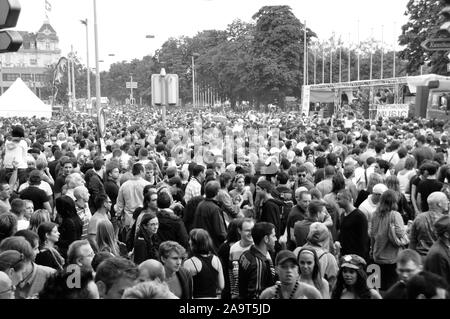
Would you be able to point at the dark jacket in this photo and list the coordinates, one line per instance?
(145, 247)
(187, 285)
(438, 260)
(112, 190)
(171, 227)
(256, 273)
(271, 213)
(94, 184)
(189, 212)
(209, 216)
(71, 226)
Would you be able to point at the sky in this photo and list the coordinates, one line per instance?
(123, 25)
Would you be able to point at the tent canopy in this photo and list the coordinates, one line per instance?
(20, 101)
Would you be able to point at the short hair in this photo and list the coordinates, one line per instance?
(110, 167)
(330, 170)
(8, 225)
(282, 178)
(164, 200)
(201, 242)
(79, 190)
(315, 207)
(212, 189)
(98, 163)
(115, 268)
(169, 246)
(99, 200)
(346, 194)
(406, 255)
(149, 290)
(137, 169)
(410, 162)
(260, 230)
(20, 244)
(56, 286)
(436, 198)
(74, 250)
(424, 283)
(224, 178)
(197, 170)
(29, 235)
(71, 180)
(17, 205)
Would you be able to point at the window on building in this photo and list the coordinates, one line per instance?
(47, 45)
(33, 61)
(40, 78)
(26, 77)
(10, 77)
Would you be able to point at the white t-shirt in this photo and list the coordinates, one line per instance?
(16, 152)
(22, 224)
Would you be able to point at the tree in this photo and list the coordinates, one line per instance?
(423, 24)
(277, 55)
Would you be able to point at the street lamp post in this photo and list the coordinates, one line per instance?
(97, 66)
(88, 96)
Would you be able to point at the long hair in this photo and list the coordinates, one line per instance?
(393, 183)
(43, 230)
(388, 203)
(316, 274)
(106, 238)
(360, 289)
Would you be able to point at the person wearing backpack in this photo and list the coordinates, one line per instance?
(286, 195)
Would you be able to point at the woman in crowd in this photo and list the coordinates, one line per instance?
(48, 253)
(224, 254)
(107, 241)
(204, 266)
(147, 241)
(12, 263)
(38, 217)
(352, 280)
(383, 251)
(241, 195)
(404, 209)
(71, 226)
(309, 268)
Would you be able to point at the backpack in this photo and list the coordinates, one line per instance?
(286, 196)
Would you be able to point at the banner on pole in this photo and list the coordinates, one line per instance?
(306, 97)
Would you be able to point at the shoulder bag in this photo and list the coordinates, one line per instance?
(395, 240)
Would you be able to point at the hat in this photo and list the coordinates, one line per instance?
(442, 225)
(284, 256)
(353, 261)
(35, 176)
(379, 189)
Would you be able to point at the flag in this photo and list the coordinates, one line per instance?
(48, 6)
(59, 70)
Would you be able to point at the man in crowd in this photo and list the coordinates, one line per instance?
(438, 258)
(114, 275)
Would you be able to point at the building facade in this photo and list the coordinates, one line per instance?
(39, 51)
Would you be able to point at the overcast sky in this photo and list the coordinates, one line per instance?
(123, 25)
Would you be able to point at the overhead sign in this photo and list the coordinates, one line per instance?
(436, 44)
(132, 85)
(392, 110)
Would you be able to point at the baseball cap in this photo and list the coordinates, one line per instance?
(284, 256)
(353, 261)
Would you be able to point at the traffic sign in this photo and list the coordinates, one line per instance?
(436, 44)
(132, 85)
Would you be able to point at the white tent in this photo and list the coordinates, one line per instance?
(20, 101)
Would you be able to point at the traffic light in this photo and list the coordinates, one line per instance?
(10, 41)
(445, 16)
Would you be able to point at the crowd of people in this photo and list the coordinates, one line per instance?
(324, 209)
